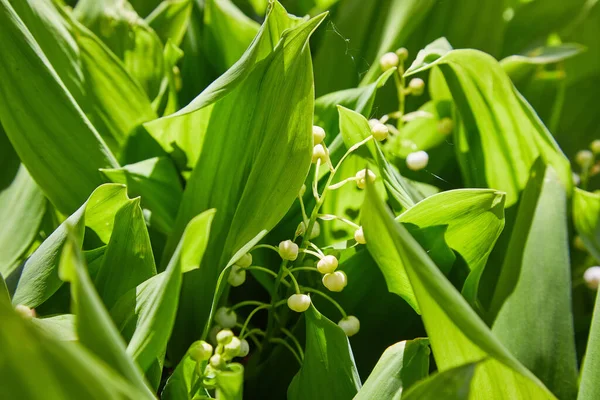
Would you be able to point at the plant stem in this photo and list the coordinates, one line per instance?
(400, 84)
(287, 345)
(327, 297)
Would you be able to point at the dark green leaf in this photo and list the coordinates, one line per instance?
(586, 216)
(452, 384)
(588, 386)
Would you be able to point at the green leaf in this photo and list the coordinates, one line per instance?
(399, 367)
(588, 386)
(328, 369)
(518, 66)
(39, 279)
(61, 370)
(252, 185)
(586, 217)
(61, 327)
(180, 383)
(452, 384)
(128, 259)
(22, 207)
(170, 20)
(95, 329)
(475, 219)
(457, 335)
(501, 136)
(50, 133)
(532, 301)
(230, 383)
(157, 182)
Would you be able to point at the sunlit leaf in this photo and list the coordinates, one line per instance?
(170, 20)
(452, 384)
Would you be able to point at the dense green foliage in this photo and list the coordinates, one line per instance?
(315, 199)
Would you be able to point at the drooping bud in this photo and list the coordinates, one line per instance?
(200, 351)
(389, 60)
(298, 302)
(402, 53)
(224, 336)
(417, 161)
(226, 317)
(362, 176)
(416, 86)
(237, 276)
(288, 250)
(318, 134)
(445, 126)
(315, 232)
(373, 122)
(336, 281)
(327, 264)
(320, 153)
(350, 325)
(244, 348)
(216, 361)
(359, 236)
(591, 276)
(584, 158)
(25, 311)
(232, 349)
(245, 261)
(380, 132)
(595, 146)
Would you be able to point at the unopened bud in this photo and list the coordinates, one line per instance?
(320, 153)
(216, 361)
(237, 276)
(288, 250)
(595, 146)
(417, 161)
(359, 236)
(584, 158)
(380, 132)
(350, 325)
(592, 277)
(362, 176)
(200, 351)
(245, 261)
(416, 86)
(232, 349)
(336, 281)
(389, 60)
(318, 134)
(298, 302)
(327, 264)
(244, 348)
(226, 317)
(402, 53)
(445, 126)
(224, 336)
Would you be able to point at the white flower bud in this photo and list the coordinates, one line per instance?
(350, 325)
(389, 60)
(373, 122)
(359, 236)
(595, 146)
(316, 230)
(318, 134)
(298, 302)
(445, 126)
(226, 317)
(417, 161)
(216, 361)
(327, 264)
(362, 176)
(224, 336)
(200, 351)
(336, 281)
(244, 261)
(25, 311)
(237, 276)
(402, 54)
(380, 132)
(244, 348)
(232, 349)
(416, 86)
(288, 250)
(592, 277)
(584, 158)
(320, 153)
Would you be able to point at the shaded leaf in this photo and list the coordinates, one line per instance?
(170, 20)
(588, 386)
(586, 217)
(61, 327)
(452, 384)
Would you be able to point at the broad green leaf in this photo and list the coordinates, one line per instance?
(153, 304)
(167, 102)
(475, 219)
(457, 335)
(157, 182)
(170, 20)
(61, 370)
(328, 369)
(452, 384)
(128, 259)
(60, 327)
(532, 300)
(518, 66)
(501, 136)
(252, 185)
(230, 383)
(399, 367)
(53, 138)
(182, 380)
(39, 279)
(22, 207)
(128, 36)
(588, 386)
(4, 294)
(586, 217)
(95, 329)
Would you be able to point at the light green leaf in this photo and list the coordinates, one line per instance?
(61, 370)
(452, 384)
(518, 66)
(399, 367)
(39, 279)
(61, 327)
(157, 182)
(170, 20)
(588, 386)
(328, 369)
(180, 383)
(128, 259)
(53, 138)
(230, 383)
(501, 135)
(95, 329)
(586, 217)
(532, 300)
(166, 102)
(456, 333)
(475, 219)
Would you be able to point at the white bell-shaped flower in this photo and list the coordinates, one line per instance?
(362, 176)
(591, 276)
(288, 250)
(226, 317)
(416, 86)
(244, 348)
(335, 281)
(237, 276)
(299, 302)
(380, 132)
(359, 236)
(350, 325)
(200, 351)
(417, 161)
(327, 264)
(389, 60)
(318, 134)
(320, 153)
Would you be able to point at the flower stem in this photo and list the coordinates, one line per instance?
(328, 298)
